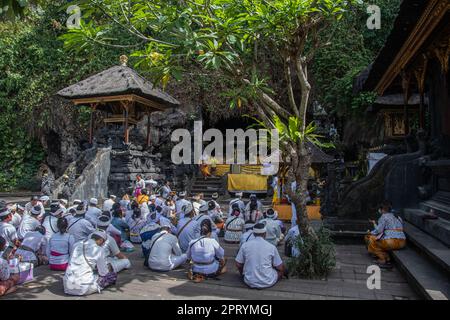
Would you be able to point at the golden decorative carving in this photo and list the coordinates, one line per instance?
(419, 72)
(442, 52)
(431, 17)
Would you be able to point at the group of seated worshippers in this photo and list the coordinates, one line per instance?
(85, 241)
(177, 230)
(79, 239)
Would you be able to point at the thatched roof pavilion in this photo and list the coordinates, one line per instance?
(122, 93)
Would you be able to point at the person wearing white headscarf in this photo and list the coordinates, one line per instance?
(259, 262)
(115, 258)
(93, 212)
(88, 270)
(273, 230)
(79, 227)
(17, 212)
(50, 222)
(164, 250)
(29, 222)
(108, 204)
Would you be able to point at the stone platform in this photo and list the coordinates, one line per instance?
(347, 281)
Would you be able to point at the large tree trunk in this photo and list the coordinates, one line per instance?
(301, 162)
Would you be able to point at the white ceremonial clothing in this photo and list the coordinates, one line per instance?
(62, 244)
(204, 253)
(80, 278)
(28, 224)
(259, 258)
(166, 252)
(80, 228)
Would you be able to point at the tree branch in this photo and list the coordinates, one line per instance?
(302, 75)
(290, 89)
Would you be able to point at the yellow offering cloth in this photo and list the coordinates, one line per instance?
(247, 183)
(285, 212)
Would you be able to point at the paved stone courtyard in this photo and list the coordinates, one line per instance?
(347, 281)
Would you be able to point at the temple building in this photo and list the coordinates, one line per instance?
(411, 79)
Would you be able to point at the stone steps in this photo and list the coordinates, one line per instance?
(426, 260)
(206, 186)
(430, 282)
(440, 208)
(429, 246)
(438, 228)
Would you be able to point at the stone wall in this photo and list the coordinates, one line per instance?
(93, 182)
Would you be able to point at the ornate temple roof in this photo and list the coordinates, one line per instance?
(409, 14)
(118, 80)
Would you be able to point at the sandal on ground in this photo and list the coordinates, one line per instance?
(198, 278)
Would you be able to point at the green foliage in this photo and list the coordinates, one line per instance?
(14, 9)
(33, 67)
(291, 131)
(317, 255)
(215, 34)
(350, 48)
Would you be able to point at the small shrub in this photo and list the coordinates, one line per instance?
(317, 256)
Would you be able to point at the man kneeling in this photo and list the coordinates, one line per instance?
(88, 271)
(259, 262)
(165, 252)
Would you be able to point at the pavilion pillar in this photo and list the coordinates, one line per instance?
(91, 122)
(126, 115)
(406, 80)
(420, 77)
(148, 130)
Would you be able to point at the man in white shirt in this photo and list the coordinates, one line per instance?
(33, 247)
(238, 201)
(217, 208)
(273, 230)
(29, 222)
(17, 212)
(7, 231)
(115, 258)
(181, 201)
(203, 215)
(165, 252)
(259, 262)
(79, 227)
(248, 234)
(108, 204)
(93, 212)
(207, 255)
(33, 203)
(291, 238)
(166, 190)
(75, 204)
(187, 228)
(50, 221)
(88, 255)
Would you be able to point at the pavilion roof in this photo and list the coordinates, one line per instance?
(318, 156)
(117, 80)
